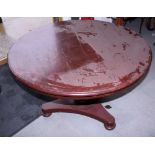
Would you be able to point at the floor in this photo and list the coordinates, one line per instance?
(134, 112)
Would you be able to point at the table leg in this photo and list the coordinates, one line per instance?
(96, 111)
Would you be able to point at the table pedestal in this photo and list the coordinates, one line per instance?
(96, 111)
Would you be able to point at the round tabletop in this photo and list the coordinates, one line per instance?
(79, 59)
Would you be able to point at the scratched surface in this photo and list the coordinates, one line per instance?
(79, 58)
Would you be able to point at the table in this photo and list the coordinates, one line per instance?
(79, 62)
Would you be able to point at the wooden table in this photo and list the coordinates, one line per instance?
(79, 61)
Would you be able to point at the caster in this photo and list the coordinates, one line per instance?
(46, 114)
(109, 126)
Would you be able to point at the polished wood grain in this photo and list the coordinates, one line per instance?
(79, 59)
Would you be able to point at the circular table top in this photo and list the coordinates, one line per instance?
(79, 59)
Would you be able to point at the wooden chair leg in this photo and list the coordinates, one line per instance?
(141, 24)
(1, 20)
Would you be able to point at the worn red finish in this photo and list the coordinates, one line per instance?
(79, 59)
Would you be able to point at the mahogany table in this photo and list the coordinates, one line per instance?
(78, 61)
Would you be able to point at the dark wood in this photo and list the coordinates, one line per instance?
(80, 60)
(141, 24)
(96, 111)
(74, 18)
(1, 20)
